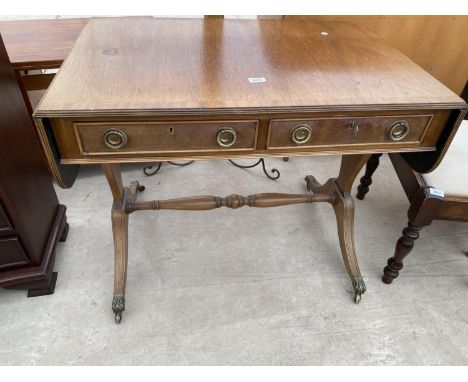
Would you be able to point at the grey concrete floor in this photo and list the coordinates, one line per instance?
(243, 287)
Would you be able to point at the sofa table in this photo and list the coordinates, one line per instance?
(141, 89)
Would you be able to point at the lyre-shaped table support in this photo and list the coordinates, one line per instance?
(336, 191)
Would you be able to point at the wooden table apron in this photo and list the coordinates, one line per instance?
(80, 123)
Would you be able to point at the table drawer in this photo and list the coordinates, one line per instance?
(285, 133)
(107, 138)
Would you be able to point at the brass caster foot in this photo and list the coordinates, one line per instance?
(118, 306)
(357, 298)
(359, 288)
(118, 318)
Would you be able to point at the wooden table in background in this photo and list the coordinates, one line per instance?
(34, 45)
(145, 89)
(40, 44)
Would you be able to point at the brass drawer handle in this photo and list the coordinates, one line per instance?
(301, 134)
(114, 138)
(226, 136)
(398, 130)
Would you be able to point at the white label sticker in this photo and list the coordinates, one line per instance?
(254, 80)
(436, 192)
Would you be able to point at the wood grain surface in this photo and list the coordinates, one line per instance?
(334, 131)
(439, 44)
(152, 66)
(154, 137)
(39, 44)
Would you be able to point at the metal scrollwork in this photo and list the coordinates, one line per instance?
(148, 170)
(275, 174)
(262, 162)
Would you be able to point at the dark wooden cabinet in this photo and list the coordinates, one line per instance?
(31, 219)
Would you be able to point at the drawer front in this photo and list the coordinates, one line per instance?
(288, 133)
(12, 253)
(98, 138)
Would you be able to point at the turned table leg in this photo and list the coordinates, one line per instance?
(403, 247)
(122, 197)
(366, 180)
(343, 205)
(423, 209)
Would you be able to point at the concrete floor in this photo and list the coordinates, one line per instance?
(243, 287)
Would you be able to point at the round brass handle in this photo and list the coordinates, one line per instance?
(301, 134)
(114, 138)
(226, 136)
(398, 130)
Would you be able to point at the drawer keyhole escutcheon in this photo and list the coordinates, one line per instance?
(226, 136)
(114, 138)
(398, 130)
(301, 134)
(354, 127)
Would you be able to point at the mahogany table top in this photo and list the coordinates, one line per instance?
(150, 66)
